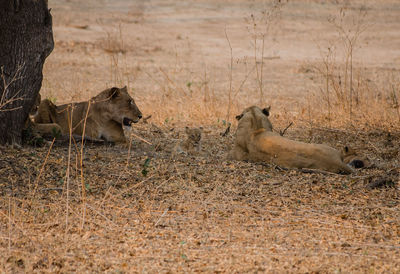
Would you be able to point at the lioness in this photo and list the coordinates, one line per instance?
(104, 115)
(255, 141)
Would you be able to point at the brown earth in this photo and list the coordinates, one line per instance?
(138, 209)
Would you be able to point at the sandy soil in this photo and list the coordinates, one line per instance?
(101, 43)
(138, 208)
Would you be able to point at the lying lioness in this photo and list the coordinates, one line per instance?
(101, 117)
(255, 141)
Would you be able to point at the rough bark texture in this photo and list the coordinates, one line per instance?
(26, 39)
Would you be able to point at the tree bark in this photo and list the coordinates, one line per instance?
(26, 39)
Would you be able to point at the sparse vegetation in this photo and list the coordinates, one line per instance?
(348, 90)
(260, 25)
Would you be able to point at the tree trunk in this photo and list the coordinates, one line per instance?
(26, 39)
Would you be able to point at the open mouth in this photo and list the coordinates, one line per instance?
(127, 121)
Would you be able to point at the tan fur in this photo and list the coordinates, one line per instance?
(40, 129)
(32, 112)
(35, 106)
(192, 143)
(255, 141)
(104, 115)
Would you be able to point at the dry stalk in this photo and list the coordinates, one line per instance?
(282, 132)
(102, 215)
(129, 149)
(396, 103)
(83, 186)
(165, 181)
(162, 215)
(244, 81)
(126, 165)
(71, 108)
(166, 76)
(232, 95)
(9, 224)
(115, 46)
(15, 225)
(145, 119)
(259, 81)
(310, 121)
(230, 77)
(41, 170)
(349, 34)
(260, 27)
(342, 88)
(140, 138)
(327, 76)
(209, 95)
(124, 191)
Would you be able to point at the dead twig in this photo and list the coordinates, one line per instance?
(162, 215)
(227, 130)
(310, 170)
(140, 138)
(145, 119)
(282, 132)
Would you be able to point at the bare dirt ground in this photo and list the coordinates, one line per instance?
(139, 209)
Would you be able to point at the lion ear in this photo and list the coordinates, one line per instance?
(266, 111)
(238, 117)
(114, 92)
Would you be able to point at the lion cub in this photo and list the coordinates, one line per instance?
(192, 143)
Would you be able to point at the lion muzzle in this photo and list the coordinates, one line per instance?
(127, 121)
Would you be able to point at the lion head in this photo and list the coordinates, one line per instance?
(194, 135)
(252, 120)
(255, 118)
(116, 104)
(35, 106)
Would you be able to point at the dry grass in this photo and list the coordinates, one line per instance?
(128, 208)
(195, 213)
(346, 90)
